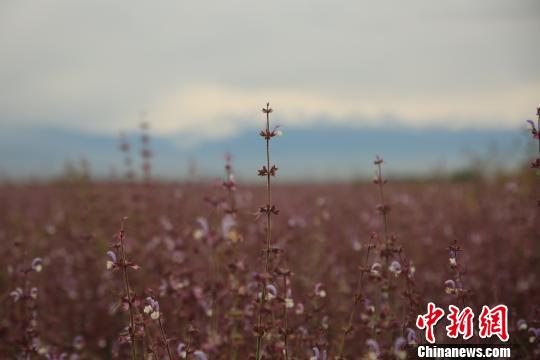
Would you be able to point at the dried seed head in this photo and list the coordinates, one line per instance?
(268, 109)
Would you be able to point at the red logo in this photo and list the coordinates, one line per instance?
(492, 321)
(461, 322)
(429, 320)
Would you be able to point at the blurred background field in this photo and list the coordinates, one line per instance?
(208, 281)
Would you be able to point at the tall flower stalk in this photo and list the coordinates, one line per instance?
(285, 325)
(146, 153)
(538, 124)
(387, 251)
(125, 147)
(535, 130)
(455, 286)
(358, 296)
(124, 264)
(269, 210)
(230, 186)
(288, 303)
(383, 208)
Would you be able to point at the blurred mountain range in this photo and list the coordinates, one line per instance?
(317, 153)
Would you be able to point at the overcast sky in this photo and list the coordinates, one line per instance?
(206, 67)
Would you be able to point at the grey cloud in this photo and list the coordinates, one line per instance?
(101, 60)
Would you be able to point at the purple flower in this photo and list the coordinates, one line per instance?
(411, 336)
(375, 270)
(535, 334)
(37, 264)
(399, 344)
(299, 309)
(152, 308)
(317, 354)
(373, 346)
(78, 343)
(16, 294)
(271, 292)
(450, 287)
(319, 290)
(200, 355)
(111, 263)
(521, 324)
(181, 350)
(227, 223)
(34, 293)
(395, 268)
(204, 229)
